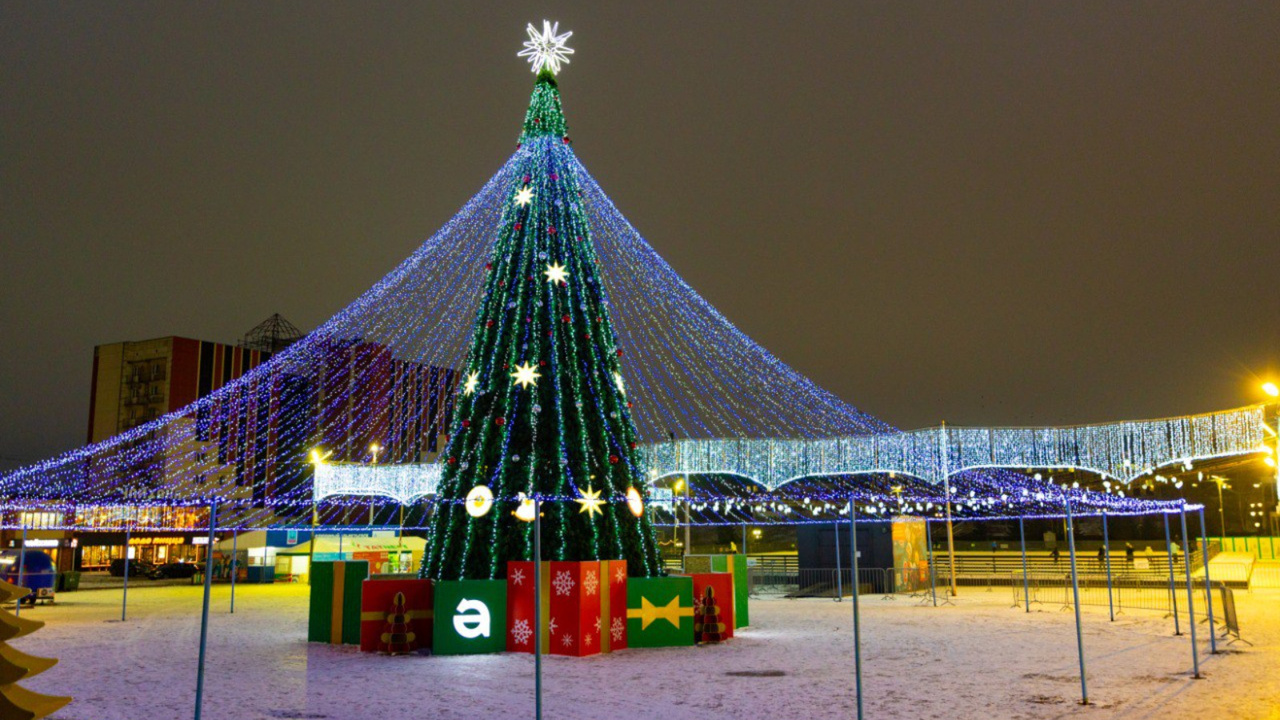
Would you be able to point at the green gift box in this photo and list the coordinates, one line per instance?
(335, 601)
(470, 617)
(741, 590)
(659, 611)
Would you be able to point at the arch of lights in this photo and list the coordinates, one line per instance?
(897, 473)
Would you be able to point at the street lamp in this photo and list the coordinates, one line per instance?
(374, 448)
(675, 513)
(1222, 517)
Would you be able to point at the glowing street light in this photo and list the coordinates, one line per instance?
(1271, 389)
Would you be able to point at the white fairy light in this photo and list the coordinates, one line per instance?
(547, 48)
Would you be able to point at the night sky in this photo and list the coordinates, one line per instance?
(984, 213)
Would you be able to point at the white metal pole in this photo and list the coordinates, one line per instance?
(857, 632)
(1173, 592)
(839, 579)
(537, 608)
(204, 613)
(22, 567)
(235, 537)
(1075, 591)
(1191, 603)
(946, 482)
(1208, 587)
(124, 599)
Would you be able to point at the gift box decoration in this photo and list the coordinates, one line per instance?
(335, 601)
(613, 605)
(583, 607)
(741, 590)
(520, 605)
(395, 615)
(469, 616)
(660, 611)
(574, 626)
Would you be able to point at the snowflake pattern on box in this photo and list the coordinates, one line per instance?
(566, 640)
(521, 631)
(590, 581)
(621, 575)
(551, 626)
(587, 640)
(517, 576)
(616, 628)
(563, 582)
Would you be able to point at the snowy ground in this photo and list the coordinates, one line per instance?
(978, 659)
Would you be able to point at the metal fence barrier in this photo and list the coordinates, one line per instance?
(829, 582)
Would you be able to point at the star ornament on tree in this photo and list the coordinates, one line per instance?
(556, 274)
(590, 501)
(546, 49)
(473, 379)
(524, 197)
(525, 375)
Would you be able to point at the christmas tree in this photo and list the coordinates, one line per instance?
(707, 627)
(542, 408)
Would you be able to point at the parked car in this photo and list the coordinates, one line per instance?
(137, 568)
(175, 570)
(38, 573)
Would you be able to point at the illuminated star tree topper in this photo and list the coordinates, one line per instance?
(546, 49)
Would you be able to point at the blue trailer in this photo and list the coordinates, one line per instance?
(38, 573)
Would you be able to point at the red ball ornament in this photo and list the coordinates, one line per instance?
(453, 461)
(488, 323)
(543, 363)
(613, 459)
(554, 176)
(619, 353)
(506, 366)
(500, 421)
(566, 139)
(488, 266)
(527, 178)
(466, 423)
(519, 226)
(565, 318)
(628, 403)
(632, 444)
(551, 231)
(580, 238)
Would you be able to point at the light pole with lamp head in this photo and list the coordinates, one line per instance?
(374, 449)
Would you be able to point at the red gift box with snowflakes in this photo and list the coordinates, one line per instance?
(583, 607)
